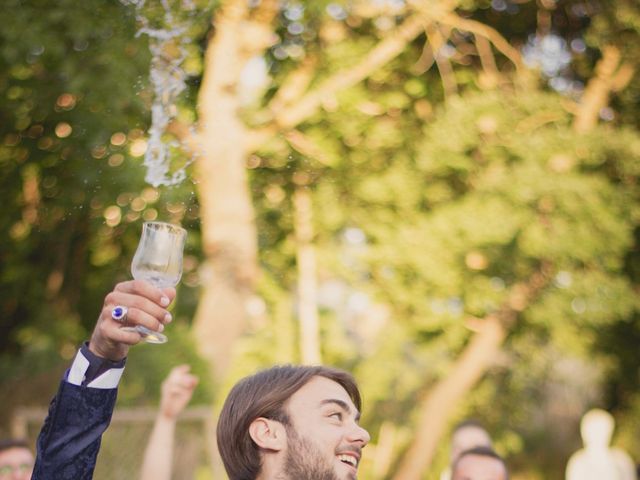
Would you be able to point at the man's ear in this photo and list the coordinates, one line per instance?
(268, 434)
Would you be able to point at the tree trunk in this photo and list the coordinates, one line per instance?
(437, 407)
(307, 282)
(229, 240)
(230, 269)
(439, 404)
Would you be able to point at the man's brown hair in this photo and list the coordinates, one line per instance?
(481, 452)
(264, 395)
(7, 443)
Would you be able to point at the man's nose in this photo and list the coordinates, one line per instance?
(359, 434)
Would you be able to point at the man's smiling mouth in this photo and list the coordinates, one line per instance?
(348, 459)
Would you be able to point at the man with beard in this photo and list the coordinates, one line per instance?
(284, 423)
(292, 423)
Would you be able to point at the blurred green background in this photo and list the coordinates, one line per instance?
(417, 172)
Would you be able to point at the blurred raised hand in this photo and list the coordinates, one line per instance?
(177, 390)
(176, 393)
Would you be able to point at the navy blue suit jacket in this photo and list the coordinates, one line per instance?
(69, 441)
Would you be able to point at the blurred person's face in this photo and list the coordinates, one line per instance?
(16, 463)
(596, 429)
(479, 467)
(324, 440)
(467, 438)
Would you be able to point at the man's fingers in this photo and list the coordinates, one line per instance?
(189, 382)
(140, 317)
(146, 305)
(184, 368)
(178, 391)
(109, 340)
(186, 381)
(140, 304)
(179, 381)
(123, 336)
(162, 297)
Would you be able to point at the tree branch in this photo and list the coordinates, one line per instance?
(266, 11)
(187, 137)
(388, 49)
(303, 144)
(609, 76)
(438, 405)
(483, 30)
(468, 369)
(307, 277)
(293, 87)
(259, 136)
(487, 59)
(425, 61)
(437, 41)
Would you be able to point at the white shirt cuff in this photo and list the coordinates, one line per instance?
(107, 380)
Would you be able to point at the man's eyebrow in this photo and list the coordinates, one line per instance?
(342, 404)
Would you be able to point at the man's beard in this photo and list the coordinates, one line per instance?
(304, 461)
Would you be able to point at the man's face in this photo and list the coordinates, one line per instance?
(479, 467)
(16, 464)
(324, 440)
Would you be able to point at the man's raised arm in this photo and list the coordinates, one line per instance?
(80, 412)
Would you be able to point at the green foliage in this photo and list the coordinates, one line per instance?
(619, 25)
(426, 212)
(472, 205)
(148, 365)
(55, 171)
(73, 112)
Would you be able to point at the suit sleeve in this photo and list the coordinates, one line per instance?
(69, 441)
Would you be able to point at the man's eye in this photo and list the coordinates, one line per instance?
(336, 415)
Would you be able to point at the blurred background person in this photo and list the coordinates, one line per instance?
(466, 435)
(480, 463)
(597, 460)
(177, 390)
(16, 460)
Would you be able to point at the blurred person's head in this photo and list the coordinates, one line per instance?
(16, 460)
(480, 463)
(466, 435)
(596, 428)
(293, 423)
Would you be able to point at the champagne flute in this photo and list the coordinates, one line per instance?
(158, 260)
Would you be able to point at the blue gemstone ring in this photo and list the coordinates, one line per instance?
(119, 314)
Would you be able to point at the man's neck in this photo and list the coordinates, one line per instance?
(272, 468)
